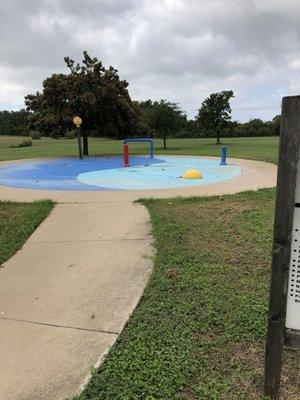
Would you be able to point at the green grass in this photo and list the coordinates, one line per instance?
(263, 148)
(199, 330)
(17, 222)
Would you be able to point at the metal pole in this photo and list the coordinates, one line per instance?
(79, 143)
(126, 155)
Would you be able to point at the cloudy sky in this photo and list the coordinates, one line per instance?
(180, 50)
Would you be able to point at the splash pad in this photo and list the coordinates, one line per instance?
(108, 173)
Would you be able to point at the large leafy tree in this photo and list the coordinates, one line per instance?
(164, 117)
(215, 113)
(95, 93)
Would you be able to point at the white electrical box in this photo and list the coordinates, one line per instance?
(293, 294)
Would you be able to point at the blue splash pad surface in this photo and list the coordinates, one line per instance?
(108, 173)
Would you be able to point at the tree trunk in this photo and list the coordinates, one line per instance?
(218, 136)
(85, 143)
(165, 143)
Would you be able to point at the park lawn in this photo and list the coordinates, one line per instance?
(17, 222)
(256, 148)
(199, 330)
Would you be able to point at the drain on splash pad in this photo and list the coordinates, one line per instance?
(108, 173)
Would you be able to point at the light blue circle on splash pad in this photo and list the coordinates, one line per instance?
(165, 174)
(108, 173)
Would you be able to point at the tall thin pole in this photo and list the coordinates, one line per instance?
(79, 142)
(77, 122)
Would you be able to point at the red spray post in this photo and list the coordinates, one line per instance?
(126, 156)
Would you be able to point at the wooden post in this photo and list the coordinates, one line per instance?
(283, 223)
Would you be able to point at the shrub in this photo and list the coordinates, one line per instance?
(35, 135)
(24, 143)
(56, 133)
(71, 134)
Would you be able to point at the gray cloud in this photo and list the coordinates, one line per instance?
(175, 49)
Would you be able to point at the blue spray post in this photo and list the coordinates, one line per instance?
(223, 155)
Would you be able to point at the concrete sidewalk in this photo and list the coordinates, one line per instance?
(65, 297)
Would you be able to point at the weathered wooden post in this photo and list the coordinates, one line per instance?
(284, 301)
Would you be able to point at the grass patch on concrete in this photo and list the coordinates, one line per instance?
(17, 222)
(199, 330)
(256, 148)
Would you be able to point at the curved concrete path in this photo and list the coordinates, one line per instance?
(67, 294)
(65, 297)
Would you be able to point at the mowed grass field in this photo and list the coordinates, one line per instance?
(264, 148)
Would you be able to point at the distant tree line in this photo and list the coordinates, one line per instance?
(254, 127)
(17, 123)
(101, 99)
(13, 122)
(213, 120)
